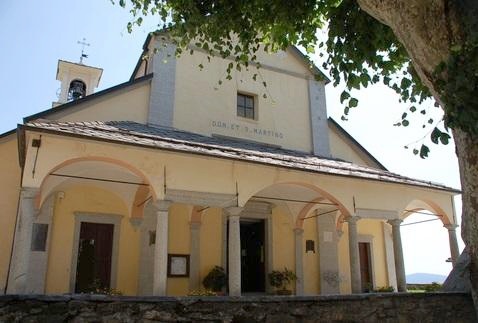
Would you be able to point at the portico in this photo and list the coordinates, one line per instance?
(189, 206)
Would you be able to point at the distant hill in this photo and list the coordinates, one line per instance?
(424, 278)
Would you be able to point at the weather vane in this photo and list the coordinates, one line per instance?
(83, 55)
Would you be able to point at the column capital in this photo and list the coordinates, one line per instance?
(195, 225)
(29, 192)
(450, 226)
(395, 222)
(233, 210)
(162, 205)
(298, 230)
(352, 219)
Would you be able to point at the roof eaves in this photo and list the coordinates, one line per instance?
(88, 98)
(8, 133)
(355, 142)
(140, 59)
(424, 184)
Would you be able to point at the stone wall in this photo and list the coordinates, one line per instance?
(422, 307)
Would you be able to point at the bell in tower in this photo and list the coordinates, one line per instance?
(77, 90)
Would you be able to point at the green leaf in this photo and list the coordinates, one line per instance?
(405, 123)
(455, 48)
(436, 133)
(415, 151)
(424, 150)
(413, 109)
(430, 121)
(444, 138)
(344, 96)
(353, 103)
(404, 115)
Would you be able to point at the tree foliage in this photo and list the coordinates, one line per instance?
(358, 49)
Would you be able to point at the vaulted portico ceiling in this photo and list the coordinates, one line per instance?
(102, 174)
(132, 133)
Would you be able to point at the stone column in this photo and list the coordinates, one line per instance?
(22, 242)
(234, 258)
(160, 273)
(355, 279)
(299, 265)
(328, 254)
(194, 281)
(40, 247)
(454, 251)
(398, 255)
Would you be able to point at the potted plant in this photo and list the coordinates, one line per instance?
(216, 279)
(280, 279)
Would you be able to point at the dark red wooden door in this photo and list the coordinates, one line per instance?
(95, 249)
(365, 270)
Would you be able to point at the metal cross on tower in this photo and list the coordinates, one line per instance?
(83, 55)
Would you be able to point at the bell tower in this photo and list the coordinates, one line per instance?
(77, 80)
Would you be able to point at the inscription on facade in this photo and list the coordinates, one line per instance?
(249, 130)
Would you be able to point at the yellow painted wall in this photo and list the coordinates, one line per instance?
(203, 106)
(130, 104)
(283, 241)
(210, 241)
(311, 259)
(340, 148)
(379, 260)
(90, 199)
(178, 243)
(379, 266)
(9, 188)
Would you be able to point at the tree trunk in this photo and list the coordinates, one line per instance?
(467, 151)
(428, 29)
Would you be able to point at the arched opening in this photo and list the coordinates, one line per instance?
(280, 228)
(77, 90)
(425, 241)
(96, 214)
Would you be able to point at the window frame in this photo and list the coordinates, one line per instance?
(242, 108)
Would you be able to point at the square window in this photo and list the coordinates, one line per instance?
(245, 106)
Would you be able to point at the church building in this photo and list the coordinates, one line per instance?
(146, 186)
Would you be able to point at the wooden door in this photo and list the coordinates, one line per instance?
(252, 256)
(95, 250)
(365, 266)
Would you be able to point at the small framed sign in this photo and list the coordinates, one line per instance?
(178, 265)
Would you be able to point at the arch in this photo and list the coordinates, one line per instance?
(324, 195)
(39, 199)
(425, 205)
(306, 209)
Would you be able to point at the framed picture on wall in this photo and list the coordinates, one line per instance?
(178, 265)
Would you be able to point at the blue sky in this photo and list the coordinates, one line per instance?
(35, 34)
